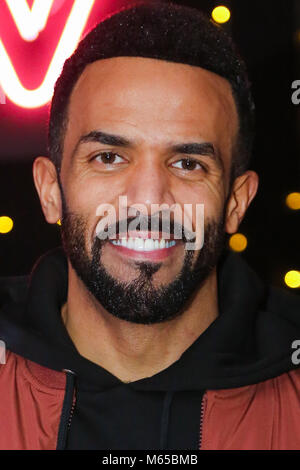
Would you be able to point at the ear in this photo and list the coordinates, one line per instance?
(45, 180)
(243, 191)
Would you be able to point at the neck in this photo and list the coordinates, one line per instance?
(133, 351)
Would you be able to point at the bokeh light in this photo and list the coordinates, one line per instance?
(293, 201)
(292, 279)
(238, 242)
(221, 14)
(6, 224)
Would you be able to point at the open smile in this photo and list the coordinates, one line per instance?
(140, 246)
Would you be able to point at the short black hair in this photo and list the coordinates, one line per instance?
(165, 31)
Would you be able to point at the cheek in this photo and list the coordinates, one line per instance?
(83, 200)
(85, 195)
(201, 203)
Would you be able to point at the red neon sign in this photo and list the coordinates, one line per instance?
(30, 22)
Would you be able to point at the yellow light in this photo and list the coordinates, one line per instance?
(58, 222)
(238, 242)
(292, 279)
(220, 14)
(293, 201)
(6, 224)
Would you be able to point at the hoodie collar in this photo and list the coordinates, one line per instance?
(250, 341)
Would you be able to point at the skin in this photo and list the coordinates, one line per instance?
(154, 104)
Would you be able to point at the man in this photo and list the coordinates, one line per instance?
(140, 339)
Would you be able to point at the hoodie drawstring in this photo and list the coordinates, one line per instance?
(165, 419)
(66, 414)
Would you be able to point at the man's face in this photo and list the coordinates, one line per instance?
(158, 133)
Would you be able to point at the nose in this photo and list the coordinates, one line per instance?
(149, 186)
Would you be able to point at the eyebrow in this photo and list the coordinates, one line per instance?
(190, 148)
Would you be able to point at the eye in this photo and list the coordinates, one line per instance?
(188, 164)
(108, 158)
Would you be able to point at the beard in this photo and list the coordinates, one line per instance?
(139, 301)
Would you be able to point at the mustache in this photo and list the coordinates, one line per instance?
(147, 223)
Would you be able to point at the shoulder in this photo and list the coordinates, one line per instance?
(16, 367)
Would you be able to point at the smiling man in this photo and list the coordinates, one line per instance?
(142, 339)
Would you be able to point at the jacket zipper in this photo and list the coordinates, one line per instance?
(203, 400)
(67, 410)
(72, 410)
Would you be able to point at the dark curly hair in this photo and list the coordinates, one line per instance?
(165, 31)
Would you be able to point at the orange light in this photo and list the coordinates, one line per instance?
(238, 242)
(9, 80)
(293, 201)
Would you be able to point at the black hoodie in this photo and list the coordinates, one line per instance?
(249, 342)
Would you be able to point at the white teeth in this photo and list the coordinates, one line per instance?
(140, 244)
(149, 244)
(130, 243)
(162, 243)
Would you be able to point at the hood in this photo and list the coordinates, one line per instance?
(249, 342)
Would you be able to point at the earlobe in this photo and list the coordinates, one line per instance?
(45, 180)
(243, 192)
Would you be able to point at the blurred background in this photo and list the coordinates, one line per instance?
(267, 33)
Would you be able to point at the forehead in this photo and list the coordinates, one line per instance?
(153, 100)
